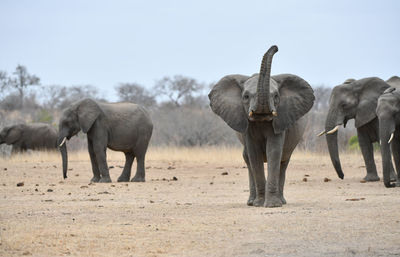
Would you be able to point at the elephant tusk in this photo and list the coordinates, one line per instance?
(274, 113)
(63, 141)
(251, 114)
(333, 130)
(322, 133)
(391, 138)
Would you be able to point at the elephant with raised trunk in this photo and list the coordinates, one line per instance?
(355, 99)
(124, 127)
(388, 111)
(34, 136)
(266, 112)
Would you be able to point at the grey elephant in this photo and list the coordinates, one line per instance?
(124, 127)
(355, 99)
(34, 136)
(388, 111)
(266, 112)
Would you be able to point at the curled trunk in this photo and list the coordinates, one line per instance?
(263, 104)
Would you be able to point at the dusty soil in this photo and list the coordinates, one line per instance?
(202, 213)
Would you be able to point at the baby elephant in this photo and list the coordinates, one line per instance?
(34, 136)
(124, 127)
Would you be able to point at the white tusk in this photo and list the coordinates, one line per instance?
(333, 130)
(391, 138)
(320, 134)
(65, 139)
(274, 113)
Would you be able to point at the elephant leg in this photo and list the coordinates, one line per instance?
(252, 187)
(256, 159)
(282, 177)
(16, 149)
(274, 156)
(140, 173)
(396, 155)
(126, 172)
(367, 151)
(95, 167)
(101, 158)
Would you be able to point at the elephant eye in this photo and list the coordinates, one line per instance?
(246, 97)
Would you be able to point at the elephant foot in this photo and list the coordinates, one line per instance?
(250, 201)
(105, 180)
(138, 179)
(371, 178)
(123, 179)
(259, 201)
(95, 179)
(283, 200)
(273, 201)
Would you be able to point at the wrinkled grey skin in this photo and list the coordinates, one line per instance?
(124, 127)
(266, 137)
(388, 111)
(356, 99)
(34, 136)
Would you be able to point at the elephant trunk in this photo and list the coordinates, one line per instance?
(386, 130)
(331, 140)
(64, 155)
(263, 104)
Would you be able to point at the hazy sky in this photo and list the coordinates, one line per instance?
(103, 43)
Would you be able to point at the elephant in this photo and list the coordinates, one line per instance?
(123, 126)
(267, 114)
(388, 112)
(355, 99)
(34, 136)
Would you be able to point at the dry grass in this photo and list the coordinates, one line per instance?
(203, 213)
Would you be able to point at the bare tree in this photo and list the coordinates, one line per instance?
(177, 88)
(21, 81)
(135, 93)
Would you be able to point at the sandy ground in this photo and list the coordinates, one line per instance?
(202, 213)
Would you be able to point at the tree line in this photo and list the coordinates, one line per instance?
(178, 106)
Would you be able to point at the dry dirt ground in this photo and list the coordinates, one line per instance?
(202, 213)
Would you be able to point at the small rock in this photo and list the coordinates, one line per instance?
(112, 185)
(70, 169)
(327, 179)
(5, 168)
(151, 201)
(224, 173)
(49, 190)
(174, 178)
(84, 186)
(54, 166)
(211, 183)
(37, 185)
(105, 193)
(306, 175)
(304, 179)
(111, 167)
(26, 253)
(219, 168)
(363, 181)
(170, 168)
(37, 190)
(20, 184)
(76, 175)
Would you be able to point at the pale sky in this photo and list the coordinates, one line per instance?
(104, 43)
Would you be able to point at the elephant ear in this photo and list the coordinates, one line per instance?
(370, 89)
(13, 134)
(226, 101)
(296, 99)
(88, 111)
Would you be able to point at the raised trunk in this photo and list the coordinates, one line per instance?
(385, 132)
(263, 103)
(331, 140)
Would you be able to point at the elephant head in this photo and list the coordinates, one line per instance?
(80, 116)
(10, 134)
(388, 112)
(280, 99)
(354, 99)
